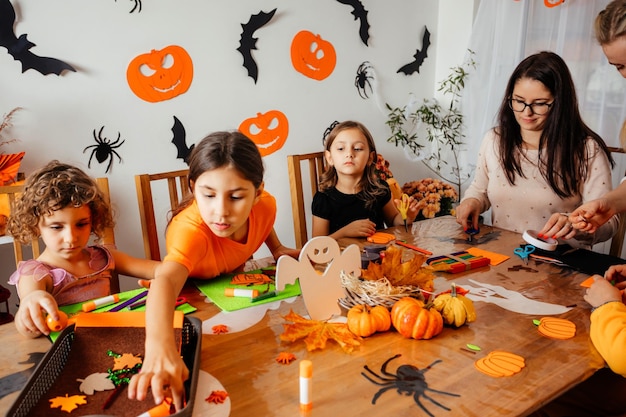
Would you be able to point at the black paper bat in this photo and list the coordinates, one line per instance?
(360, 13)
(247, 42)
(180, 141)
(19, 48)
(419, 56)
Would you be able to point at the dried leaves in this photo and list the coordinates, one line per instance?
(399, 273)
(316, 333)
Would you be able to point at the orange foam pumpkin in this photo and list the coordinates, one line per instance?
(268, 130)
(312, 56)
(160, 74)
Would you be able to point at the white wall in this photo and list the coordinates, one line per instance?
(100, 38)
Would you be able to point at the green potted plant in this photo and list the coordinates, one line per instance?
(443, 127)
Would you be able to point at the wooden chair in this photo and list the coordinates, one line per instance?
(177, 185)
(11, 191)
(315, 169)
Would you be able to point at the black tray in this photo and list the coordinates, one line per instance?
(55, 359)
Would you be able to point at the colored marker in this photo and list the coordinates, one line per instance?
(306, 386)
(415, 248)
(240, 292)
(100, 302)
(132, 300)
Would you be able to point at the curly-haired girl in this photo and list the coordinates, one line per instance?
(64, 206)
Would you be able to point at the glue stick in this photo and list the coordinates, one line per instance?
(100, 302)
(306, 386)
(240, 292)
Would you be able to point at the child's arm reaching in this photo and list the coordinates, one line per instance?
(134, 267)
(163, 366)
(277, 248)
(358, 228)
(392, 214)
(35, 299)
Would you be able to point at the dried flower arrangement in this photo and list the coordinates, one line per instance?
(435, 197)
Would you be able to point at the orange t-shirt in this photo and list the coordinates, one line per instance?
(191, 243)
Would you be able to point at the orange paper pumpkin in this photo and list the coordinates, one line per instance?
(553, 3)
(268, 130)
(160, 75)
(312, 56)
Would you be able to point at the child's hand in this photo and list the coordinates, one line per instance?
(283, 250)
(30, 318)
(358, 228)
(163, 371)
(412, 208)
(602, 291)
(617, 274)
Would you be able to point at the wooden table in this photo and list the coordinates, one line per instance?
(244, 362)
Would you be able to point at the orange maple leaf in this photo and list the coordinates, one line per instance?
(316, 333)
(68, 403)
(217, 397)
(126, 360)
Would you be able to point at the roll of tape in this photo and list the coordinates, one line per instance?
(530, 236)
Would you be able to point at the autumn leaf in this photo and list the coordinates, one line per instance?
(68, 403)
(316, 333)
(126, 360)
(98, 381)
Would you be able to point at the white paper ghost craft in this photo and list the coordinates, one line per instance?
(320, 291)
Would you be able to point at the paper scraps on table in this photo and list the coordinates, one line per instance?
(495, 258)
(285, 358)
(499, 363)
(98, 381)
(511, 300)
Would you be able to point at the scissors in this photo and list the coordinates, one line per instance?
(524, 252)
(403, 208)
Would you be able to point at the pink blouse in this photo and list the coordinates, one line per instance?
(68, 289)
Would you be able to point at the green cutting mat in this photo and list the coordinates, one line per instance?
(214, 289)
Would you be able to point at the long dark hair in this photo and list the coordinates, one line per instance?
(221, 149)
(563, 153)
(370, 185)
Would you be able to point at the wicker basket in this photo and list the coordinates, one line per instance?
(373, 293)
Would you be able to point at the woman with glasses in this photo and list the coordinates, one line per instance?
(541, 160)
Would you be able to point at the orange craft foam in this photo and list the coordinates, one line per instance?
(306, 388)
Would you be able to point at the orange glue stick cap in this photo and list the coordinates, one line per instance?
(306, 387)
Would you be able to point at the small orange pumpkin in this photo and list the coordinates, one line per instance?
(160, 75)
(364, 320)
(312, 56)
(268, 130)
(57, 325)
(413, 319)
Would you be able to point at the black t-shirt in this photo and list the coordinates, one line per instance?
(341, 209)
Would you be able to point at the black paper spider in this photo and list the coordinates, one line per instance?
(408, 379)
(362, 79)
(104, 149)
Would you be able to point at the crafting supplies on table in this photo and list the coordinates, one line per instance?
(458, 262)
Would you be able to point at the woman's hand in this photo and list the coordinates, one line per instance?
(163, 371)
(467, 213)
(30, 319)
(558, 226)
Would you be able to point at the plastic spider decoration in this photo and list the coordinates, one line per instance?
(408, 380)
(104, 149)
(362, 79)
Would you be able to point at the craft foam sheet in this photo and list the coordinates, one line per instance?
(214, 289)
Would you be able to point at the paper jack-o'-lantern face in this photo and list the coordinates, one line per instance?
(160, 75)
(269, 130)
(312, 56)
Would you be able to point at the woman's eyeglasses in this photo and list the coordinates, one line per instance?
(537, 108)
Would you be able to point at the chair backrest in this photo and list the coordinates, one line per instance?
(315, 169)
(177, 185)
(11, 191)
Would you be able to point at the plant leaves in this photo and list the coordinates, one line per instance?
(68, 404)
(316, 333)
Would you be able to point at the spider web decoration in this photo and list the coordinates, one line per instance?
(104, 149)
(408, 380)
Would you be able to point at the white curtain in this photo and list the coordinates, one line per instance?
(507, 31)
